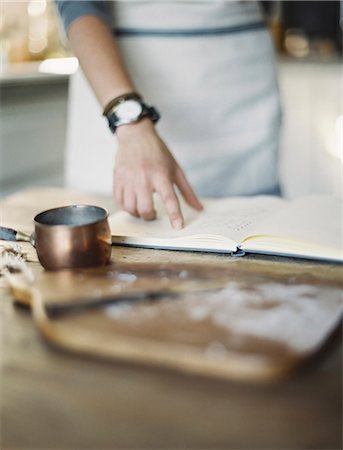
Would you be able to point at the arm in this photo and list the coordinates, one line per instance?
(143, 162)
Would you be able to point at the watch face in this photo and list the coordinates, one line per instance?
(128, 110)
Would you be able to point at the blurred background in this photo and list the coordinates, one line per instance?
(36, 66)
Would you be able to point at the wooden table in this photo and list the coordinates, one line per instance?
(54, 400)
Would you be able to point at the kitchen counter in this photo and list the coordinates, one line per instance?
(22, 74)
(52, 399)
(28, 73)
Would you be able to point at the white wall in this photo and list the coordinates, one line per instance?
(312, 102)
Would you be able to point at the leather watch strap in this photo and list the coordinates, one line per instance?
(120, 99)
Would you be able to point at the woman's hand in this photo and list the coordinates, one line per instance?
(144, 165)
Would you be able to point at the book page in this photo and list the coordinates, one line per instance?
(229, 218)
(315, 220)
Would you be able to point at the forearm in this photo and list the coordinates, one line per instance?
(98, 53)
(144, 164)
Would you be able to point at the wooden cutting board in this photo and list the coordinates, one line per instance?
(218, 322)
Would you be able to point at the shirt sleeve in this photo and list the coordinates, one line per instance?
(70, 10)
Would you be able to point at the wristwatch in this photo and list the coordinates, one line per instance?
(128, 108)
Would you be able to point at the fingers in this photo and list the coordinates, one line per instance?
(124, 196)
(186, 190)
(118, 194)
(136, 200)
(166, 191)
(147, 168)
(145, 204)
(130, 203)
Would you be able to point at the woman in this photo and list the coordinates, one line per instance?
(208, 68)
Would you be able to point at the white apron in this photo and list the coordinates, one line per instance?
(208, 67)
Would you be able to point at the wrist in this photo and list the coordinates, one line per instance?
(145, 125)
(128, 109)
(131, 95)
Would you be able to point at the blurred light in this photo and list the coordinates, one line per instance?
(36, 7)
(37, 45)
(296, 43)
(39, 29)
(339, 137)
(63, 66)
(334, 139)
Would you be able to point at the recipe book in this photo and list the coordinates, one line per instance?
(308, 227)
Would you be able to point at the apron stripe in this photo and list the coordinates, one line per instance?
(133, 32)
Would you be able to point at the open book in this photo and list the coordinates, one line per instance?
(308, 227)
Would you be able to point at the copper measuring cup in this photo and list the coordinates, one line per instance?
(68, 237)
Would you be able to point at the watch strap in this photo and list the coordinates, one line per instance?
(120, 99)
(153, 114)
(147, 111)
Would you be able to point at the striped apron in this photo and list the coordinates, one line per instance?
(208, 67)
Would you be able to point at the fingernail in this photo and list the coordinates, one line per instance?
(177, 224)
